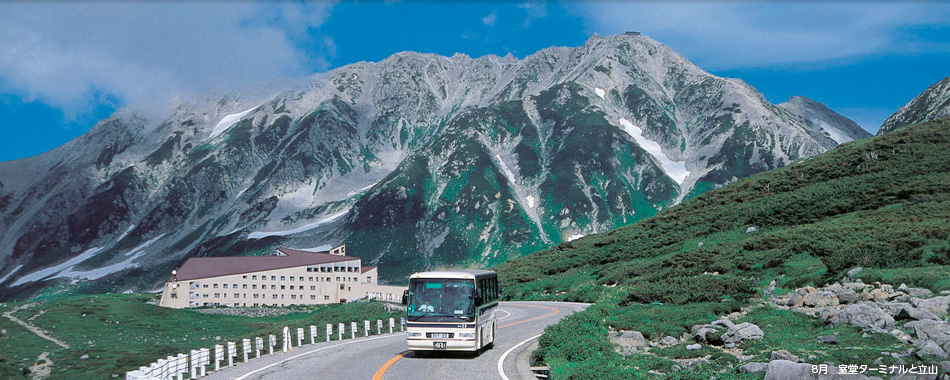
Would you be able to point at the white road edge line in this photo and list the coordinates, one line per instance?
(501, 362)
(310, 352)
(506, 312)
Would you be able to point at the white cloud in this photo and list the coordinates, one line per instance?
(491, 18)
(69, 55)
(536, 11)
(721, 36)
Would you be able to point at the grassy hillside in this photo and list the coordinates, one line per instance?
(881, 203)
(119, 333)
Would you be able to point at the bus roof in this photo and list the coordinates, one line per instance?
(458, 273)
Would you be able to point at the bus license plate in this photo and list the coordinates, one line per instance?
(438, 345)
(440, 336)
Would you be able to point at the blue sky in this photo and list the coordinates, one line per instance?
(64, 65)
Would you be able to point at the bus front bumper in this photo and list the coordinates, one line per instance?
(450, 344)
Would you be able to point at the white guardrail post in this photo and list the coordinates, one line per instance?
(195, 359)
(259, 344)
(271, 343)
(402, 324)
(329, 331)
(300, 337)
(339, 332)
(286, 338)
(352, 330)
(204, 360)
(379, 326)
(365, 328)
(218, 356)
(392, 324)
(246, 343)
(232, 352)
(313, 334)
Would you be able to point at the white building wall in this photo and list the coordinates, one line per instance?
(280, 287)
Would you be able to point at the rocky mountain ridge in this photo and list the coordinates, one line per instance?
(417, 162)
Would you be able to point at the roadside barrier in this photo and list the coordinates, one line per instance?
(195, 365)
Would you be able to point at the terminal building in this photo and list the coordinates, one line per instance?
(290, 277)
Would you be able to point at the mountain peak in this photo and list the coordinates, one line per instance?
(932, 104)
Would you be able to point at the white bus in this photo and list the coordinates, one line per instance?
(451, 310)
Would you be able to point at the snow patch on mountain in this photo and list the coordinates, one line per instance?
(601, 93)
(98, 273)
(675, 170)
(521, 193)
(228, 122)
(530, 200)
(11, 273)
(57, 269)
(328, 219)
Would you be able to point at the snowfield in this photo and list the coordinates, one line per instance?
(228, 122)
(328, 219)
(675, 170)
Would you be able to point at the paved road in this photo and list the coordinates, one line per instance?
(385, 356)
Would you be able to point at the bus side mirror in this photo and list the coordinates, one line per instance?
(405, 297)
(478, 300)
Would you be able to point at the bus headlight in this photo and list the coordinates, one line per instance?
(467, 335)
(414, 335)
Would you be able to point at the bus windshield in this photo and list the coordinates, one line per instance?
(441, 300)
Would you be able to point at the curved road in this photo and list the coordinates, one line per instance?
(385, 356)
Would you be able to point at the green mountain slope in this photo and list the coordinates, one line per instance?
(880, 203)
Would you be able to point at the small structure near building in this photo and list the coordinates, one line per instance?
(631, 33)
(290, 277)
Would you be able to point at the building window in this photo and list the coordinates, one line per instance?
(369, 280)
(313, 297)
(204, 295)
(291, 278)
(311, 279)
(204, 286)
(328, 279)
(291, 287)
(283, 278)
(255, 297)
(174, 295)
(282, 287)
(244, 277)
(225, 286)
(254, 286)
(274, 296)
(326, 298)
(243, 286)
(342, 286)
(313, 288)
(273, 287)
(301, 278)
(215, 286)
(338, 279)
(235, 286)
(254, 277)
(237, 295)
(217, 295)
(293, 296)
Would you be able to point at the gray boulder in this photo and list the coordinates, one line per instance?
(934, 331)
(789, 370)
(828, 339)
(915, 292)
(784, 355)
(628, 341)
(865, 315)
(929, 348)
(742, 331)
(910, 312)
(708, 334)
(936, 305)
(694, 347)
(754, 368)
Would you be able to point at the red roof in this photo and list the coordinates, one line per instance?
(367, 269)
(203, 267)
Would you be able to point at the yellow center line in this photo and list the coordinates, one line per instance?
(379, 374)
(382, 370)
